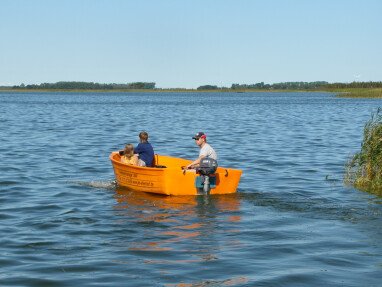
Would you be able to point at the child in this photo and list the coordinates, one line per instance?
(129, 157)
(145, 150)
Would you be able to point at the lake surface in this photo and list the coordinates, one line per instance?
(63, 222)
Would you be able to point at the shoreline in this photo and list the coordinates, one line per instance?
(374, 93)
(155, 91)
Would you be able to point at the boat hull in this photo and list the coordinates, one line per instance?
(168, 177)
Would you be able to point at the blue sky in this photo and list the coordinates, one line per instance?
(188, 43)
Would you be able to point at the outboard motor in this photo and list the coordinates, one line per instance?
(207, 167)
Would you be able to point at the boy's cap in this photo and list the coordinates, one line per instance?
(199, 135)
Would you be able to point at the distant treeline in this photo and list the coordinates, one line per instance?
(319, 85)
(282, 86)
(369, 85)
(86, 86)
(276, 86)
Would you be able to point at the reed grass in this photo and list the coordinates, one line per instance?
(364, 169)
(360, 93)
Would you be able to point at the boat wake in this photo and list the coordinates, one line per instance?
(101, 184)
(314, 206)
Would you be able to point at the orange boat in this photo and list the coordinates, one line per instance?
(168, 177)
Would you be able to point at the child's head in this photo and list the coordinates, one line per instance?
(129, 150)
(143, 136)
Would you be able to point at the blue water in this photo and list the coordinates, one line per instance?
(293, 222)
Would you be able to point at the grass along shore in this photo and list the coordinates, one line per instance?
(364, 169)
(358, 92)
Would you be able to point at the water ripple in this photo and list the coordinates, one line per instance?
(64, 222)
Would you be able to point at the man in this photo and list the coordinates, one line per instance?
(144, 150)
(205, 150)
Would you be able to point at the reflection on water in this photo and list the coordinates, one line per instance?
(176, 219)
(202, 205)
(181, 232)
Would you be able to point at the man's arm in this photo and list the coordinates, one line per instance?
(196, 162)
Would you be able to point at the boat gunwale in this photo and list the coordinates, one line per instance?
(111, 157)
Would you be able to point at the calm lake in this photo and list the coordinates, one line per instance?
(293, 222)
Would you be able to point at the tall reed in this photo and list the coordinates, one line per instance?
(364, 169)
(360, 93)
